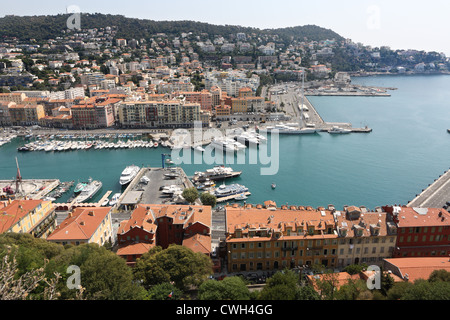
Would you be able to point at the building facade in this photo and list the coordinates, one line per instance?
(271, 238)
(421, 232)
(364, 237)
(36, 217)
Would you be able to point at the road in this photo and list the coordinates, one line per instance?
(434, 196)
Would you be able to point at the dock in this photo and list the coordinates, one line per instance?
(106, 196)
(315, 118)
(435, 195)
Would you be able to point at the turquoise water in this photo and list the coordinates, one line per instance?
(408, 148)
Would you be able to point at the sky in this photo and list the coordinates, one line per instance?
(399, 24)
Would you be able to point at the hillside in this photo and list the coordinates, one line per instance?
(48, 27)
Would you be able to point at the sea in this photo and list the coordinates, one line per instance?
(407, 150)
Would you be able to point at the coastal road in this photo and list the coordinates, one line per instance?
(434, 196)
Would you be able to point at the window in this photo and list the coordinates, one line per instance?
(260, 245)
(417, 229)
(268, 245)
(382, 250)
(374, 250)
(242, 245)
(268, 254)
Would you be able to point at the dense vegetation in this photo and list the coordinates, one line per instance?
(50, 27)
(37, 269)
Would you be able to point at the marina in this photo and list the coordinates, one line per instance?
(340, 169)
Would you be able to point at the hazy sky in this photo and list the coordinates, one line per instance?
(400, 24)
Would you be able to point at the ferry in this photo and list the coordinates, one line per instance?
(230, 190)
(129, 174)
(89, 191)
(216, 173)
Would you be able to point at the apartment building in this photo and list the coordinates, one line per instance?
(5, 118)
(36, 217)
(85, 225)
(364, 237)
(21, 114)
(18, 98)
(163, 225)
(136, 235)
(264, 237)
(421, 232)
(138, 114)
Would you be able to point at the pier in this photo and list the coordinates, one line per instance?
(297, 105)
(435, 195)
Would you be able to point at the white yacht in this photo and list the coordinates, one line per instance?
(129, 174)
(89, 191)
(337, 130)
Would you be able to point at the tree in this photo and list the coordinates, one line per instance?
(176, 264)
(103, 274)
(190, 194)
(398, 290)
(281, 286)
(164, 291)
(352, 290)
(307, 293)
(439, 275)
(208, 199)
(231, 288)
(355, 268)
(15, 287)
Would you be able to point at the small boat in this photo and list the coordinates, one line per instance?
(274, 185)
(156, 145)
(114, 199)
(241, 197)
(105, 203)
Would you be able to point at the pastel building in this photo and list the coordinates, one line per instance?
(85, 225)
(36, 217)
(264, 237)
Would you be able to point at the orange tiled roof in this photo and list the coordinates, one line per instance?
(198, 243)
(15, 211)
(135, 249)
(80, 224)
(417, 267)
(423, 217)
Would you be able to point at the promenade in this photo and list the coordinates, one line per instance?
(435, 195)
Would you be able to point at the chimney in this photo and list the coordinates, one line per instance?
(91, 213)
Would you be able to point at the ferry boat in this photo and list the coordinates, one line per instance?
(129, 174)
(216, 173)
(230, 190)
(89, 191)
